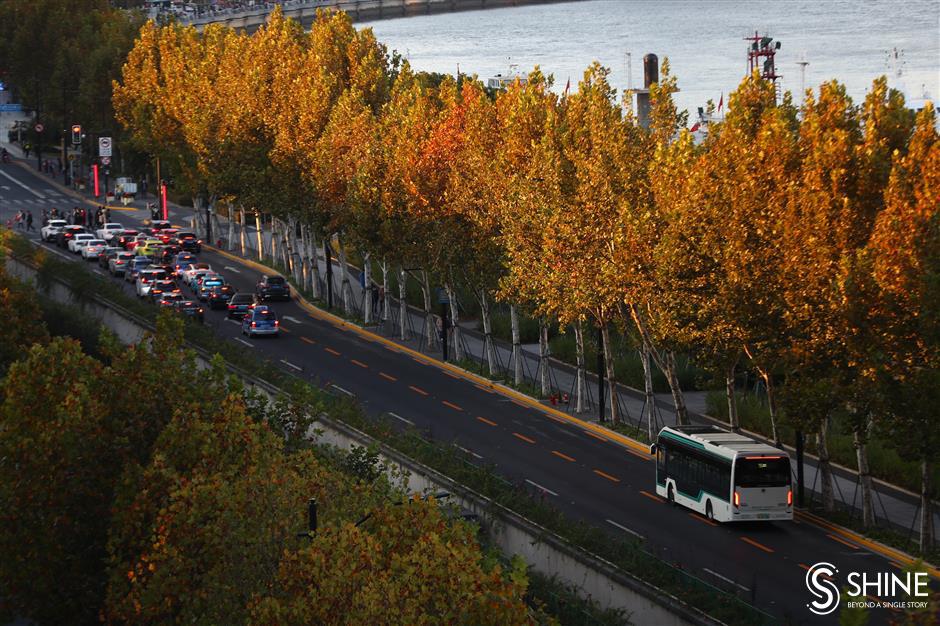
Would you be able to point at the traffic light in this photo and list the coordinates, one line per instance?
(76, 134)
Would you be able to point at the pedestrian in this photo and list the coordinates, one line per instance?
(18, 219)
(29, 221)
(26, 149)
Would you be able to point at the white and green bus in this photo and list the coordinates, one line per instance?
(725, 476)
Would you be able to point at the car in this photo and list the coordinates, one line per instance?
(181, 261)
(196, 276)
(78, 241)
(167, 235)
(261, 320)
(167, 253)
(158, 225)
(240, 305)
(208, 282)
(145, 280)
(168, 300)
(192, 269)
(67, 234)
(148, 248)
(109, 230)
(189, 308)
(160, 287)
(187, 240)
(134, 266)
(137, 241)
(124, 238)
(272, 287)
(105, 255)
(117, 264)
(91, 248)
(218, 297)
(51, 229)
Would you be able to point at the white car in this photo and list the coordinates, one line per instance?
(110, 230)
(189, 272)
(51, 229)
(79, 240)
(91, 249)
(145, 280)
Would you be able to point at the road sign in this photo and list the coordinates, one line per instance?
(105, 160)
(104, 146)
(39, 128)
(71, 157)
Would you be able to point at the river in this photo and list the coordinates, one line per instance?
(846, 40)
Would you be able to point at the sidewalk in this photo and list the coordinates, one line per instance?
(893, 507)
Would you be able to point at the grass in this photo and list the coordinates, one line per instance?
(627, 554)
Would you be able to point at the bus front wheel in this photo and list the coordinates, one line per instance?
(670, 496)
(709, 513)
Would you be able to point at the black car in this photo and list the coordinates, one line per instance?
(159, 287)
(240, 304)
(107, 254)
(134, 266)
(189, 308)
(272, 287)
(188, 241)
(67, 233)
(167, 254)
(218, 297)
(124, 238)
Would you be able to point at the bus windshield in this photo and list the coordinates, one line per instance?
(762, 472)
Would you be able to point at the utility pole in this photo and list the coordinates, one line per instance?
(799, 469)
(600, 374)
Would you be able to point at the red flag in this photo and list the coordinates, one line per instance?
(568, 86)
(695, 127)
(721, 101)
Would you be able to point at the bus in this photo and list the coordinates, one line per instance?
(725, 476)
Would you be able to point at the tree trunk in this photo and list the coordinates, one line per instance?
(231, 228)
(402, 303)
(926, 507)
(678, 400)
(241, 230)
(611, 378)
(314, 264)
(825, 468)
(732, 401)
(367, 288)
(771, 405)
(429, 325)
(516, 345)
(454, 324)
(666, 364)
(579, 360)
(275, 249)
(487, 333)
(860, 440)
(344, 269)
(304, 258)
(384, 300)
(649, 397)
(259, 235)
(543, 359)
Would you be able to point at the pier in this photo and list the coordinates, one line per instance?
(304, 11)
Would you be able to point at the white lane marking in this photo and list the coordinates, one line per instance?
(24, 186)
(291, 365)
(727, 580)
(396, 416)
(341, 390)
(232, 269)
(625, 529)
(292, 319)
(6, 187)
(52, 192)
(538, 486)
(236, 322)
(471, 452)
(240, 340)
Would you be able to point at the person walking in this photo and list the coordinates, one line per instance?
(29, 221)
(26, 148)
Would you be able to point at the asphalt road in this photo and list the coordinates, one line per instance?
(589, 478)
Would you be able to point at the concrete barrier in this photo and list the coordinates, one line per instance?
(543, 550)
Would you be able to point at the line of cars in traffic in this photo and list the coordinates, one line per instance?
(160, 260)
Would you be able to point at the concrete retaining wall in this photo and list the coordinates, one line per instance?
(544, 551)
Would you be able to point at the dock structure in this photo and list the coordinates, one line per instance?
(304, 11)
